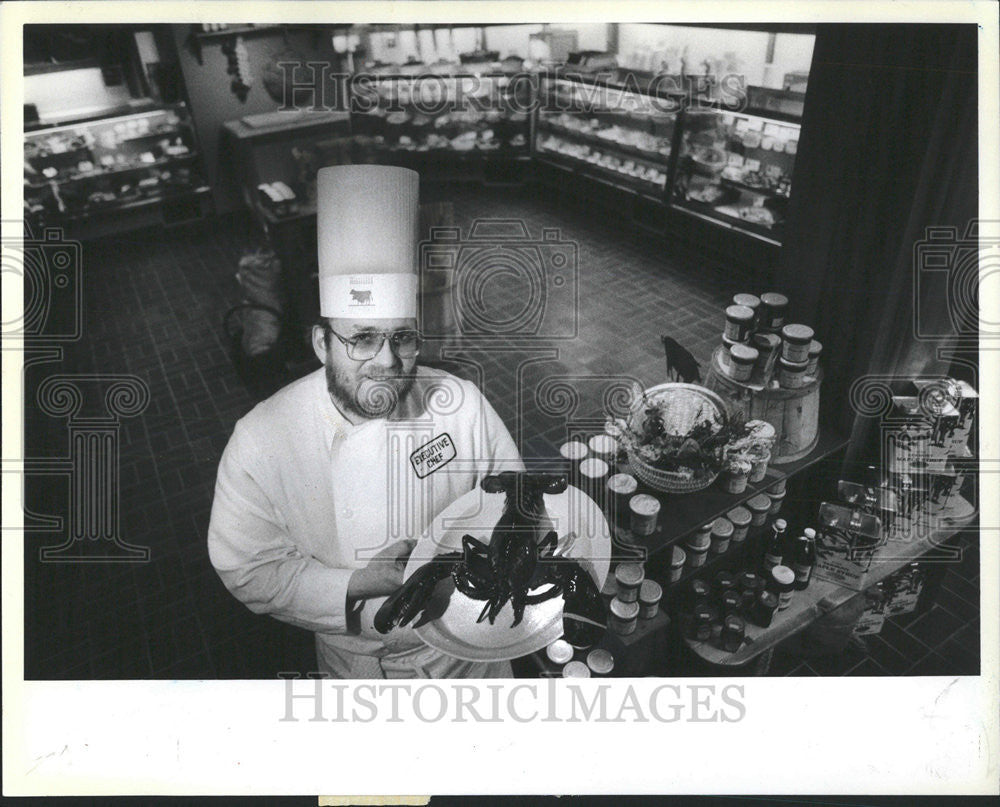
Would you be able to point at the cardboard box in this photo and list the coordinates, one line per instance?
(846, 541)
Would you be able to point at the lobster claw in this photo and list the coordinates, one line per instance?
(585, 616)
(410, 598)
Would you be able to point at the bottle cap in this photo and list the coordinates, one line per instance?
(722, 527)
(576, 669)
(780, 524)
(783, 576)
(678, 557)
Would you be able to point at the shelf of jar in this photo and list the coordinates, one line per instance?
(823, 596)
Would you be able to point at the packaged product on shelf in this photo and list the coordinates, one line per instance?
(872, 619)
(678, 557)
(733, 633)
(773, 308)
(628, 579)
(903, 589)
(650, 593)
(759, 506)
(803, 558)
(815, 348)
(739, 320)
(722, 534)
(791, 375)
(765, 606)
(740, 519)
(846, 541)
(732, 602)
(774, 549)
(796, 340)
(767, 346)
(742, 359)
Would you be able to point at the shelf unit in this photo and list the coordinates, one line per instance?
(134, 165)
(428, 120)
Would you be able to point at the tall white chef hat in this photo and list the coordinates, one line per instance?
(367, 239)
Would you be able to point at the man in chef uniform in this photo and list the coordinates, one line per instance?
(324, 488)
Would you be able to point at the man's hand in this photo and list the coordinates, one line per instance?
(383, 574)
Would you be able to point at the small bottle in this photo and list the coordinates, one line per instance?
(782, 583)
(774, 550)
(804, 558)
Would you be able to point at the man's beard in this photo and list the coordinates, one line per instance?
(369, 397)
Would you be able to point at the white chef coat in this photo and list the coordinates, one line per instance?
(303, 498)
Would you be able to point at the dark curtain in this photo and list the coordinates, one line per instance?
(889, 148)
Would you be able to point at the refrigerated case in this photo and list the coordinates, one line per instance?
(114, 173)
(447, 125)
(734, 169)
(728, 163)
(604, 130)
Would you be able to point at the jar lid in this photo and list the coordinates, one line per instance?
(559, 652)
(600, 661)
(815, 348)
(768, 599)
(624, 610)
(744, 354)
(750, 301)
(739, 313)
(793, 366)
(735, 622)
(629, 574)
(593, 468)
(643, 504)
(603, 444)
(782, 575)
(722, 527)
(576, 669)
(699, 588)
(774, 300)
(797, 333)
(748, 580)
(650, 592)
(699, 541)
(768, 341)
(625, 484)
(759, 503)
(573, 450)
(678, 557)
(731, 597)
(739, 516)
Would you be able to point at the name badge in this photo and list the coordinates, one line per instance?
(433, 455)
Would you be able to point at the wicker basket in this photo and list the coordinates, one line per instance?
(687, 405)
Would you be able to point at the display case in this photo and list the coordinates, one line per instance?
(607, 131)
(734, 168)
(114, 173)
(433, 121)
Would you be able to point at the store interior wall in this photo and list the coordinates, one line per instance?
(213, 102)
(891, 124)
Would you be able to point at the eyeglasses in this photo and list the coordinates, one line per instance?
(367, 344)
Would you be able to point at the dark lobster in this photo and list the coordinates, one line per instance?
(518, 559)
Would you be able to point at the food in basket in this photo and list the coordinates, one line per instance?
(677, 430)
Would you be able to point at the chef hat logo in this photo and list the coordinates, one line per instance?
(367, 217)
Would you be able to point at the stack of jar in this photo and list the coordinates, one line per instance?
(758, 343)
(592, 469)
(635, 598)
(717, 610)
(597, 662)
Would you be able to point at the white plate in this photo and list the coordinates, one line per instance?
(449, 621)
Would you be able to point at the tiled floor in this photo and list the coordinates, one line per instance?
(153, 304)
